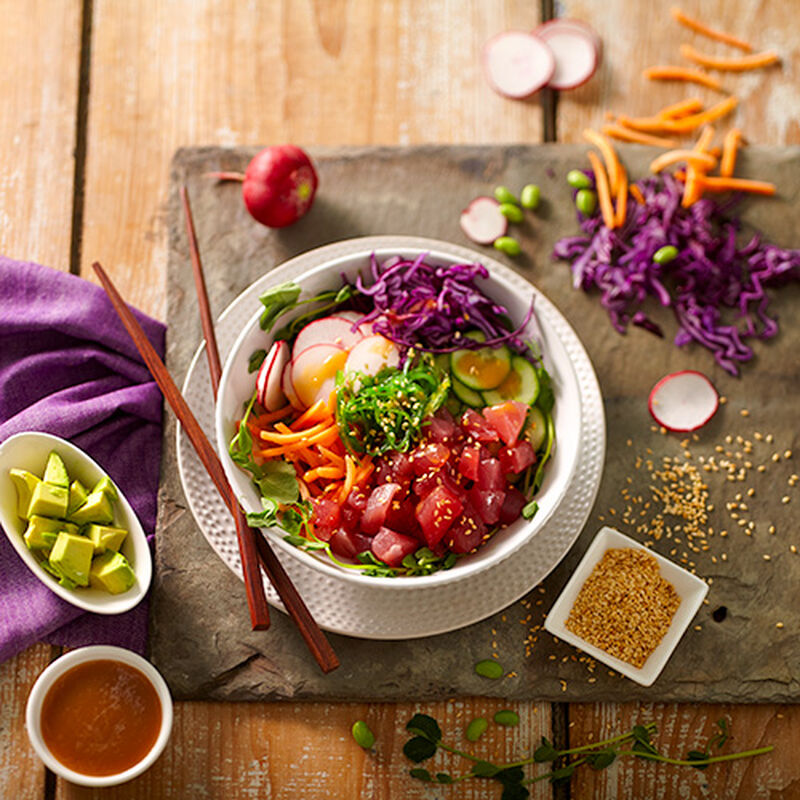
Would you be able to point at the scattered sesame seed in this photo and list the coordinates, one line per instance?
(744, 412)
(778, 624)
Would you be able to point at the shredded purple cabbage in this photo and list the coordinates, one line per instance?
(417, 304)
(710, 274)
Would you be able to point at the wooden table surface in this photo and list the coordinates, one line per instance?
(98, 94)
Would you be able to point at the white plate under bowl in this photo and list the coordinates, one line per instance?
(29, 450)
(364, 608)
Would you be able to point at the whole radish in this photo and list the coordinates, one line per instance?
(278, 185)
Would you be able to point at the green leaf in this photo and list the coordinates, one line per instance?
(510, 776)
(529, 509)
(278, 482)
(420, 774)
(241, 446)
(546, 399)
(293, 519)
(295, 541)
(426, 726)
(256, 360)
(277, 301)
(443, 777)
(562, 774)
(266, 518)
(514, 791)
(700, 756)
(601, 759)
(484, 769)
(641, 734)
(545, 752)
(419, 748)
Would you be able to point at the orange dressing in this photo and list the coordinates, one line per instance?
(483, 366)
(101, 717)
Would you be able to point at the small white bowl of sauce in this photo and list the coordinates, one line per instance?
(99, 716)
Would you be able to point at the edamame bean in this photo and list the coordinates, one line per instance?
(577, 180)
(511, 212)
(476, 729)
(504, 195)
(586, 202)
(507, 717)
(665, 254)
(489, 668)
(363, 735)
(508, 245)
(529, 197)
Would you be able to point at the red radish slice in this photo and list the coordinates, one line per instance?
(371, 355)
(482, 221)
(683, 401)
(364, 329)
(328, 330)
(314, 372)
(575, 53)
(571, 22)
(517, 63)
(288, 387)
(268, 381)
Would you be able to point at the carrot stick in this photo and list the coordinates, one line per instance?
(626, 135)
(712, 33)
(753, 61)
(637, 194)
(331, 473)
(272, 416)
(730, 146)
(622, 200)
(349, 479)
(319, 411)
(674, 156)
(694, 121)
(335, 459)
(681, 109)
(294, 437)
(670, 72)
(603, 192)
(609, 156)
(704, 140)
(712, 184)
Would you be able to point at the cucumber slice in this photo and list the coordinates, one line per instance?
(466, 395)
(482, 369)
(521, 384)
(536, 429)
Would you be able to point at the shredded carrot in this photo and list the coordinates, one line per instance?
(722, 184)
(349, 479)
(330, 473)
(637, 194)
(674, 156)
(694, 121)
(334, 458)
(364, 471)
(293, 437)
(730, 146)
(670, 72)
(603, 192)
(712, 33)
(753, 61)
(704, 139)
(318, 412)
(609, 156)
(272, 416)
(681, 109)
(326, 436)
(622, 200)
(627, 135)
(693, 189)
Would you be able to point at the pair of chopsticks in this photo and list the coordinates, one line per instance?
(254, 549)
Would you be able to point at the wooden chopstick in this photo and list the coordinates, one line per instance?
(245, 535)
(312, 635)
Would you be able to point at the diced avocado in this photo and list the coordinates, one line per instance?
(48, 500)
(105, 537)
(97, 508)
(64, 581)
(42, 531)
(106, 485)
(55, 472)
(72, 557)
(112, 572)
(25, 482)
(77, 496)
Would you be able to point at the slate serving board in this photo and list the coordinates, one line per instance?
(200, 637)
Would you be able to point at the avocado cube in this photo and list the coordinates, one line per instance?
(65, 582)
(106, 485)
(105, 537)
(72, 557)
(55, 472)
(77, 496)
(112, 572)
(25, 482)
(48, 500)
(97, 508)
(42, 531)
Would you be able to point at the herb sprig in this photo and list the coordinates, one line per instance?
(281, 299)
(427, 739)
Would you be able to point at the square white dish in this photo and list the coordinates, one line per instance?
(691, 590)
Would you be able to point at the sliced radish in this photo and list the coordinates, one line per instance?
(575, 50)
(578, 24)
(288, 387)
(314, 372)
(328, 330)
(482, 221)
(365, 329)
(517, 63)
(683, 401)
(268, 381)
(371, 355)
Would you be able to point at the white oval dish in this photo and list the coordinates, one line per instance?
(505, 287)
(29, 450)
(80, 656)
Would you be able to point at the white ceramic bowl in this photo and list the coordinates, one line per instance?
(691, 589)
(504, 286)
(29, 450)
(56, 670)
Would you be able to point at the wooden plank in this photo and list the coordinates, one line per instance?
(280, 751)
(185, 73)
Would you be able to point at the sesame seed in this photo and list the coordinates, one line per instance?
(778, 624)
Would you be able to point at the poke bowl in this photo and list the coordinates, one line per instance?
(427, 514)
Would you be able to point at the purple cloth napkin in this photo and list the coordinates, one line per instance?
(68, 367)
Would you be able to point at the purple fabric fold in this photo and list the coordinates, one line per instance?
(68, 367)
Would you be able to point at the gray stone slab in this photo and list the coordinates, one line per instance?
(200, 637)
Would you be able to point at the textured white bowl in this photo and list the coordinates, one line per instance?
(29, 450)
(504, 286)
(54, 671)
